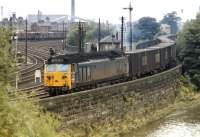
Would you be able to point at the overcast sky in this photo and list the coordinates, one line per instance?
(106, 9)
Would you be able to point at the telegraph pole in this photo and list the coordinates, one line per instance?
(72, 10)
(99, 34)
(64, 35)
(80, 36)
(122, 34)
(17, 74)
(130, 8)
(26, 42)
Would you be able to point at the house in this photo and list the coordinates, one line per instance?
(109, 43)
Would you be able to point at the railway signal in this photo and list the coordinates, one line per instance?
(130, 8)
(64, 35)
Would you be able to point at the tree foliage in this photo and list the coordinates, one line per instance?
(7, 64)
(72, 38)
(189, 46)
(145, 29)
(20, 117)
(172, 20)
(91, 33)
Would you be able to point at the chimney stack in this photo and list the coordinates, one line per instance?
(1, 13)
(72, 10)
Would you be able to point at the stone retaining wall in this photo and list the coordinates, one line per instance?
(138, 96)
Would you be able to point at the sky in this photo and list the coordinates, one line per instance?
(110, 10)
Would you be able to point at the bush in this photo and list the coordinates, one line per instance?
(20, 117)
(23, 118)
(189, 49)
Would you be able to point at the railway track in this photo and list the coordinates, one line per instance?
(27, 74)
(37, 53)
(35, 92)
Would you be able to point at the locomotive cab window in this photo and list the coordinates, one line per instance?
(62, 68)
(157, 58)
(144, 60)
(51, 68)
(57, 68)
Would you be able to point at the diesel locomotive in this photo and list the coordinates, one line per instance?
(76, 72)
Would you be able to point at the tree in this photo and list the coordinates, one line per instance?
(145, 29)
(172, 20)
(189, 44)
(47, 19)
(6, 61)
(91, 33)
(20, 19)
(5, 21)
(20, 117)
(72, 38)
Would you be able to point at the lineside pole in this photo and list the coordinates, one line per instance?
(64, 34)
(131, 27)
(26, 42)
(99, 34)
(16, 49)
(122, 34)
(79, 37)
(82, 38)
(130, 8)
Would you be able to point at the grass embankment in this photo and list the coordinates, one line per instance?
(19, 117)
(23, 118)
(186, 97)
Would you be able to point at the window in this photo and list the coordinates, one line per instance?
(51, 68)
(57, 68)
(62, 68)
(144, 60)
(157, 58)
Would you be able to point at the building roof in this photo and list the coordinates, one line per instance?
(110, 39)
(53, 18)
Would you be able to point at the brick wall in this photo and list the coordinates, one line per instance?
(138, 96)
